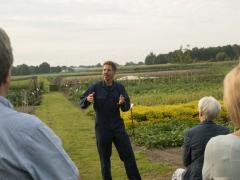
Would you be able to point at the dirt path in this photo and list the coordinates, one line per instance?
(171, 156)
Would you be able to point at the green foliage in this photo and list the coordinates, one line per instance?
(162, 135)
(186, 55)
(166, 134)
(25, 92)
(221, 56)
(53, 87)
(44, 68)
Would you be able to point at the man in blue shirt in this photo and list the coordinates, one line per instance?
(108, 97)
(29, 150)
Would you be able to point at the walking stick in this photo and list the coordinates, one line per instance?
(132, 120)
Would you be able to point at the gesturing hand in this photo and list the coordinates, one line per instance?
(90, 97)
(121, 100)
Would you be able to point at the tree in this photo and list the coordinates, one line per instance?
(161, 59)
(23, 69)
(130, 63)
(44, 68)
(221, 56)
(150, 59)
(56, 69)
(98, 65)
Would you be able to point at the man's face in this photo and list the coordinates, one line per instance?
(108, 73)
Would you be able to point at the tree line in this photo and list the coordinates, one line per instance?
(186, 55)
(182, 55)
(43, 68)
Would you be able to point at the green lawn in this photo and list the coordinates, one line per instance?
(77, 133)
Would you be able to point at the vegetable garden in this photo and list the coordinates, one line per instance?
(164, 103)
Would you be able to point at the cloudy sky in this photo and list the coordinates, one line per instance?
(86, 32)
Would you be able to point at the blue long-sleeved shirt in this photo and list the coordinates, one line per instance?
(29, 150)
(106, 103)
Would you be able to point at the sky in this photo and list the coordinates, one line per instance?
(87, 32)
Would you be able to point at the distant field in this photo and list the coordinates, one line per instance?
(168, 86)
(223, 66)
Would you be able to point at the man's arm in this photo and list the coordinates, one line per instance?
(45, 158)
(84, 99)
(125, 102)
(186, 151)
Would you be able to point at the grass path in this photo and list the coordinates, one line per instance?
(77, 133)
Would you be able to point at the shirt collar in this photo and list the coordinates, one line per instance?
(207, 122)
(105, 86)
(5, 102)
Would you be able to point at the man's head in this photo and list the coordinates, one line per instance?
(208, 108)
(109, 70)
(6, 59)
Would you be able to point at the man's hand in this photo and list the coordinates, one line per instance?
(121, 100)
(90, 97)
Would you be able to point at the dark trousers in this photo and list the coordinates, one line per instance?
(119, 137)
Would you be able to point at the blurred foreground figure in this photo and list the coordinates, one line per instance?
(222, 154)
(29, 150)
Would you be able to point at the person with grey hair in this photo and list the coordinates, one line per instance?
(196, 138)
(29, 149)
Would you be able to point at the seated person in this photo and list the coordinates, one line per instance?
(222, 154)
(196, 138)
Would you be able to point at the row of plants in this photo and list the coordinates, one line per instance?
(162, 135)
(26, 92)
(163, 126)
(144, 115)
(161, 90)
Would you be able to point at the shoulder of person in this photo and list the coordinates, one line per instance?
(217, 139)
(96, 84)
(119, 85)
(26, 122)
(188, 131)
(221, 138)
(194, 128)
(224, 128)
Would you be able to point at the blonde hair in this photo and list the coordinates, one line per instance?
(232, 95)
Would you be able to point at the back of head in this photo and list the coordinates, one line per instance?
(209, 107)
(232, 94)
(6, 56)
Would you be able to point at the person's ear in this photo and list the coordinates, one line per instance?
(8, 79)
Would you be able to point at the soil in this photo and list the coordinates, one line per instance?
(170, 156)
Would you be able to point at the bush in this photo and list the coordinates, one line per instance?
(162, 135)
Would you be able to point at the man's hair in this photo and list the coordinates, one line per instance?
(6, 56)
(110, 63)
(232, 95)
(209, 107)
